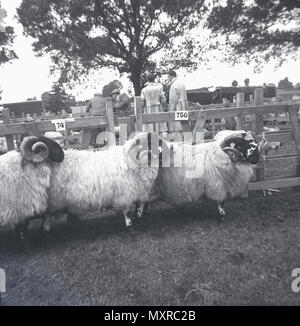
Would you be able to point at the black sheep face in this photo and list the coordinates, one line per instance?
(249, 150)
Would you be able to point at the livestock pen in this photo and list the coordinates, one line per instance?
(175, 255)
(193, 127)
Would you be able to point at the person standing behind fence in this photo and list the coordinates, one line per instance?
(121, 105)
(153, 98)
(177, 98)
(96, 107)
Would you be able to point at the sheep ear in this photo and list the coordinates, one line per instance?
(38, 149)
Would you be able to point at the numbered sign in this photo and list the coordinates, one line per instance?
(60, 125)
(182, 115)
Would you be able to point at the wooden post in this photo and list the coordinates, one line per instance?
(110, 121)
(259, 117)
(86, 139)
(138, 110)
(10, 138)
(198, 133)
(258, 129)
(240, 101)
(293, 114)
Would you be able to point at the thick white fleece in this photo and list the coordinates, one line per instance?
(23, 191)
(88, 180)
(206, 171)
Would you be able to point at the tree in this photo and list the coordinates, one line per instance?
(257, 30)
(234, 83)
(247, 82)
(6, 39)
(285, 83)
(297, 86)
(57, 100)
(107, 89)
(124, 34)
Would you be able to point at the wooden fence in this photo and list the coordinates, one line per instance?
(12, 128)
(255, 113)
(195, 123)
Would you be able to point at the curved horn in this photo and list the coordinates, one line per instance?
(38, 149)
(230, 137)
(41, 150)
(236, 153)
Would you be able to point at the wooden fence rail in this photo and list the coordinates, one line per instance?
(196, 121)
(9, 128)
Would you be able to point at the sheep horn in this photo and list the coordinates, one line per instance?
(241, 134)
(237, 155)
(37, 149)
(41, 150)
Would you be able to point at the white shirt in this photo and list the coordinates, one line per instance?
(177, 94)
(153, 94)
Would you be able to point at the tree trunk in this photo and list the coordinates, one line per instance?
(136, 85)
(135, 77)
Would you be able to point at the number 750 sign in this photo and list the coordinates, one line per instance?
(181, 115)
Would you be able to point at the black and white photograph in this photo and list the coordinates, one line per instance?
(149, 155)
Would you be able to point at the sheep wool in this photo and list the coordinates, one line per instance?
(206, 171)
(88, 180)
(25, 179)
(23, 189)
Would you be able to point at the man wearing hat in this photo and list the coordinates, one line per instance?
(121, 104)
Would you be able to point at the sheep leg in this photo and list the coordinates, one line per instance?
(140, 210)
(22, 231)
(221, 209)
(126, 213)
(46, 223)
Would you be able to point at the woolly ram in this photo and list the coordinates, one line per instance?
(42, 178)
(25, 177)
(117, 177)
(217, 170)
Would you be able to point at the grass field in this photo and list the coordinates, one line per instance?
(175, 256)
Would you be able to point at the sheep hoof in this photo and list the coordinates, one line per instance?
(222, 212)
(128, 223)
(139, 214)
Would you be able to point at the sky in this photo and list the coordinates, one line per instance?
(29, 76)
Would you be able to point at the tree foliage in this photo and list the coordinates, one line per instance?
(257, 30)
(107, 89)
(57, 100)
(128, 35)
(6, 39)
(285, 83)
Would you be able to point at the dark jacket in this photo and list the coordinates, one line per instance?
(122, 106)
(96, 105)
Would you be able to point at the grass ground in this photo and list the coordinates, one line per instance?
(175, 256)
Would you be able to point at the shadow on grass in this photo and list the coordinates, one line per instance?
(161, 218)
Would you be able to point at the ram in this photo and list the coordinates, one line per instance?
(25, 177)
(117, 177)
(217, 170)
